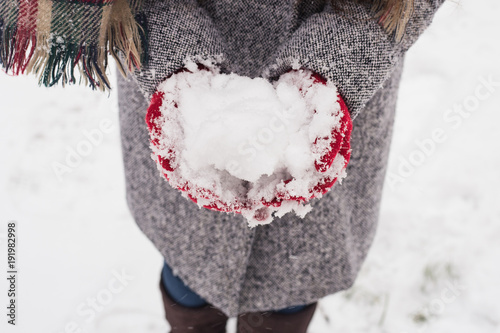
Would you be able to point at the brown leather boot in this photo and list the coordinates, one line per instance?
(273, 322)
(182, 319)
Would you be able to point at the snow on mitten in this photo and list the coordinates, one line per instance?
(235, 144)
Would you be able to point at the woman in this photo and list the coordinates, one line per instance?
(216, 267)
(229, 269)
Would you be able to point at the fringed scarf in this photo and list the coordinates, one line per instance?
(53, 37)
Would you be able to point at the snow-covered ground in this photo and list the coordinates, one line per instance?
(433, 267)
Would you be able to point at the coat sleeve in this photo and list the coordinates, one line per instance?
(176, 30)
(350, 49)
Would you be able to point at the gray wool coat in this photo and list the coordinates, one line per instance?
(293, 260)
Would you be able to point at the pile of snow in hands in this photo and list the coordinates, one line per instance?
(237, 144)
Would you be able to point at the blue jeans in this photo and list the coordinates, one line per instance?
(183, 295)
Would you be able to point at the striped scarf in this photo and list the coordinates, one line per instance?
(51, 38)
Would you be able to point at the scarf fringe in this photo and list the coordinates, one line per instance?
(393, 15)
(54, 59)
(126, 34)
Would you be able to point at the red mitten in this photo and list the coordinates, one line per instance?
(336, 143)
(215, 138)
(165, 152)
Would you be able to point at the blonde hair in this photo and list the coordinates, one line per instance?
(392, 15)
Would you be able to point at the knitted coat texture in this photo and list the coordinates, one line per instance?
(292, 260)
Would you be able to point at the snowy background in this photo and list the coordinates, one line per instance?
(434, 264)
